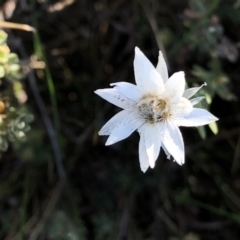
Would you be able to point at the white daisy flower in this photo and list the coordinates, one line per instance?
(156, 107)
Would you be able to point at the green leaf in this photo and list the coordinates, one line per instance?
(214, 127)
(2, 71)
(3, 37)
(3, 144)
(202, 132)
(12, 58)
(208, 98)
(13, 67)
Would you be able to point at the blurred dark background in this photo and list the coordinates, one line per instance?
(61, 182)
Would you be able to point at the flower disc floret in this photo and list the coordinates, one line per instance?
(153, 109)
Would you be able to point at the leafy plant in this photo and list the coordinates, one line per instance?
(14, 117)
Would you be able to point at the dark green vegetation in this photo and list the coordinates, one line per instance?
(62, 183)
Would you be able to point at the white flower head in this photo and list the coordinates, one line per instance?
(156, 107)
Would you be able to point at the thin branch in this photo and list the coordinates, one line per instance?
(18, 26)
(221, 135)
(124, 222)
(46, 119)
(55, 195)
(236, 158)
(154, 27)
(49, 126)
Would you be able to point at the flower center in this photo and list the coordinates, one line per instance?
(153, 109)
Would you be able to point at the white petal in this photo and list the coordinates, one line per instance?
(128, 90)
(166, 151)
(143, 157)
(113, 122)
(182, 108)
(116, 98)
(152, 137)
(174, 87)
(196, 100)
(191, 91)
(173, 142)
(162, 67)
(125, 128)
(197, 117)
(146, 76)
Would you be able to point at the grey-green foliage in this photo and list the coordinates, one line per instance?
(217, 81)
(9, 62)
(62, 228)
(206, 36)
(204, 28)
(18, 127)
(14, 128)
(105, 225)
(14, 117)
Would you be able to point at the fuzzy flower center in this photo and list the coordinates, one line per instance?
(153, 109)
